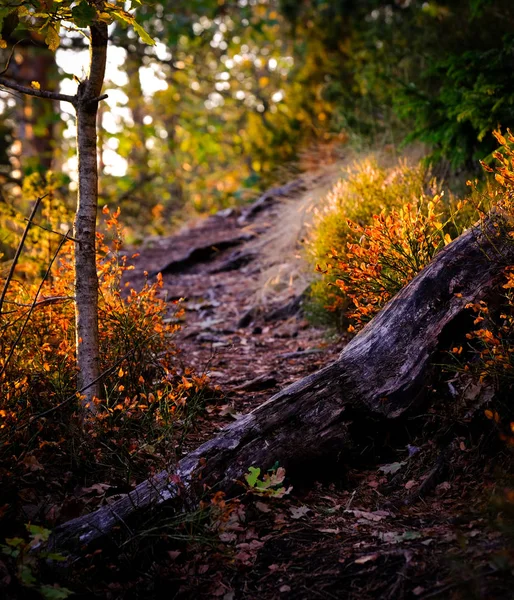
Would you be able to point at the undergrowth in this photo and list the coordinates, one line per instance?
(150, 398)
(376, 230)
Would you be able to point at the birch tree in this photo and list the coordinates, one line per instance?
(50, 19)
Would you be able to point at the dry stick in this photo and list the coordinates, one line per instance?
(53, 231)
(8, 63)
(44, 302)
(19, 249)
(33, 305)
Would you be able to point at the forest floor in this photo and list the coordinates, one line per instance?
(416, 516)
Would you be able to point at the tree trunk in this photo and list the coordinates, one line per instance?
(383, 372)
(86, 279)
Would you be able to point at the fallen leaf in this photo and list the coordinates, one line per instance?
(284, 588)
(369, 516)
(368, 558)
(227, 537)
(393, 537)
(299, 512)
(410, 484)
(262, 507)
(32, 463)
(392, 468)
(442, 487)
(97, 488)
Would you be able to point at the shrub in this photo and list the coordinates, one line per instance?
(376, 230)
(368, 189)
(489, 358)
(383, 257)
(147, 393)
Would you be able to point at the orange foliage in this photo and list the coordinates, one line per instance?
(383, 257)
(145, 390)
(492, 342)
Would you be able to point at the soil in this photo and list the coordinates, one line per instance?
(418, 515)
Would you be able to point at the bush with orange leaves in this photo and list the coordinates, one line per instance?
(366, 189)
(490, 356)
(148, 395)
(384, 256)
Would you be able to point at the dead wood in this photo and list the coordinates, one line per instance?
(248, 317)
(383, 372)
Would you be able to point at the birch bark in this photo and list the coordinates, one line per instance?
(86, 279)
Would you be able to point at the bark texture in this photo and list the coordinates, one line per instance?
(383, 372)
(86, 279)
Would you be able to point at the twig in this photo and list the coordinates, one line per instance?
(19, 249)
(97, 99)
(44, 302)
(29, 314)
(53, 231)
(23, 89)
(8, 63)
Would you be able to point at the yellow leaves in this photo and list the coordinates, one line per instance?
(35, 85)
(3, 43)
(126, 18)
(510, 282)
(52, 39)
(500, 179)
(499, 137)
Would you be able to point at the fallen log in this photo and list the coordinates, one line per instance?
(383, 372)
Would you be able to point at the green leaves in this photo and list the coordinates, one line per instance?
(48, 16)
(83, 14)
(270, 484)
(252, 476)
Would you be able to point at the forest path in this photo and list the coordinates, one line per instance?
(361, 533)
(215, 265)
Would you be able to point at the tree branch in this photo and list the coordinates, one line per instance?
(12, 85)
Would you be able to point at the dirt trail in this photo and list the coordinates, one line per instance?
(250, 351)
(356, 535)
